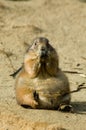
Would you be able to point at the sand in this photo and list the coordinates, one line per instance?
(63, 22)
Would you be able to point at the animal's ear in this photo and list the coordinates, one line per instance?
(31, 65)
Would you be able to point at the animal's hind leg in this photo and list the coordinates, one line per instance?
(26, 97)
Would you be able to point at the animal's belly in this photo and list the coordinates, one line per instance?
(50, 85)
(49, 92)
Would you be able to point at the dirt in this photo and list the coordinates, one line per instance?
(64, 24)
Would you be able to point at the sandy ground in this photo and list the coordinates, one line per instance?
(63, 22)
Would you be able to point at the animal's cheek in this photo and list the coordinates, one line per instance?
(48, 60)
(48, 52)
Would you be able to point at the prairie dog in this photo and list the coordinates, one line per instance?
(40, 83)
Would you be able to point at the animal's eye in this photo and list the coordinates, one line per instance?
(35, 43)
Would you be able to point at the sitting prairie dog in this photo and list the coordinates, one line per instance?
(40, 83)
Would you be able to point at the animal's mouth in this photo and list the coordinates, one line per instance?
(43, 55)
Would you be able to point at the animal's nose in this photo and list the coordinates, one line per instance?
(43, 49)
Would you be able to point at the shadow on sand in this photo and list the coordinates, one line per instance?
(79, 107)
(84, 1)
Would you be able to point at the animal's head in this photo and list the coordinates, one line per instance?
(41, 52)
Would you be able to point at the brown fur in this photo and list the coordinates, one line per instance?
(41, 84)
